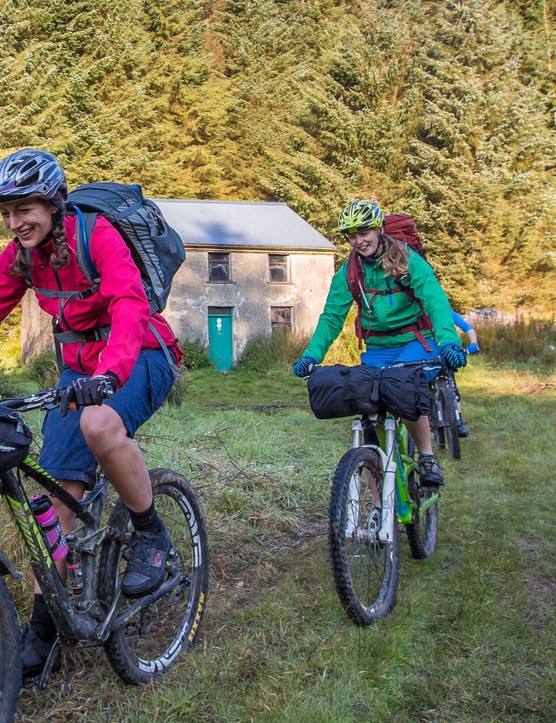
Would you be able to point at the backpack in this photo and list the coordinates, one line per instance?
(156, 247)
(400, 226)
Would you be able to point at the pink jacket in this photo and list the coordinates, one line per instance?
(120, 301)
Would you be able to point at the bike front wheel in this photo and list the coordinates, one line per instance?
(365, 570)
(10, 656)
(149, 641)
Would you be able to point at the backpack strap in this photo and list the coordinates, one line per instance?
(355, 276)
(83, 231)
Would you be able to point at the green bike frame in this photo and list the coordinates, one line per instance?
(397, 466)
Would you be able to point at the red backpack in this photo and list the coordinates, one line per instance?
(400, 226)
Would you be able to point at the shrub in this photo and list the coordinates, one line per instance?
(196, 355)
(272, 350)
(8, 388)
(179, 389)
(533, 341)
(44, 369)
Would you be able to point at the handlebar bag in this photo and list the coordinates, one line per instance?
(343, 391)
(404, 391)
(15, 439)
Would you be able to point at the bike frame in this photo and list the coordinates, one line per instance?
(75, 619)
(391, 446)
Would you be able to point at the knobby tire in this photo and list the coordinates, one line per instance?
(149, 643)
(365, 570)
(10, 656)
(451, 429)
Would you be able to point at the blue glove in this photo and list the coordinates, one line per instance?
(453, 356)
(473, 349)
(304, 366)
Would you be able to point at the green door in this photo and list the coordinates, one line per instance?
(220, 337)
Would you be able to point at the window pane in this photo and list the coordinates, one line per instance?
(278, 267)
(281, 316)
(219, 267)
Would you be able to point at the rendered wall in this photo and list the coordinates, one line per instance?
(250, 294)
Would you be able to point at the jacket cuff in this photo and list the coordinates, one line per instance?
(114, 376)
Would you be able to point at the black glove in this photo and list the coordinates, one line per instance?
(86, 391)
(453, 356)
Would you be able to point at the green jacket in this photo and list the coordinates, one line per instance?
(389, 311)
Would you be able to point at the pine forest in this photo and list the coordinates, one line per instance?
(445, 109)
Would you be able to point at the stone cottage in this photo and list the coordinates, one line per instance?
(250, 267)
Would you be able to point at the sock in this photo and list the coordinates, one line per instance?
(147, 521)
(41, 621)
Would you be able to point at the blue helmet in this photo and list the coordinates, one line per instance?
(30, 172)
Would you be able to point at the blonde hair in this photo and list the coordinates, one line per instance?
(395, 259)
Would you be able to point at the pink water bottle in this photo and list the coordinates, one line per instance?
(50, 525)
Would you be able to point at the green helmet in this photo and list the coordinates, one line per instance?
(360, 214)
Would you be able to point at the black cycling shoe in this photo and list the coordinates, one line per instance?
(462, 429)
(430, 472)
(35, 653)
(146, 557)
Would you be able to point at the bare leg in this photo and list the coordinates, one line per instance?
(118, 455)
(420, 432)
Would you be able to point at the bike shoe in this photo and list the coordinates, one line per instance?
(146, 557)
(35, 653)
(462, 429)
(430, 472)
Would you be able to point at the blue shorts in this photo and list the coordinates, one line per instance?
(65, 454)
(414, 351)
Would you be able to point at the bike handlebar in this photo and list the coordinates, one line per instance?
(45, 399)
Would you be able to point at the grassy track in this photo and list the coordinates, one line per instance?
(472, 635)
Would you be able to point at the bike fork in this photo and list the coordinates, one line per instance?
(387, 528)
(388, 466)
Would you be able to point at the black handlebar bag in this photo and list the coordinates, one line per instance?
(342, 391)
(15, 439)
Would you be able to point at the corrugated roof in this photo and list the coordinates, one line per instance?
(241, 224)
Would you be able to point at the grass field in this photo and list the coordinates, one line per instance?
(472, 635)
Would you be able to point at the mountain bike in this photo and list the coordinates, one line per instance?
(142, 637)
(445, 416)
(375, 493)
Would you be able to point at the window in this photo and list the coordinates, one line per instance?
(281, 317)
(278, 267)
(219, 267)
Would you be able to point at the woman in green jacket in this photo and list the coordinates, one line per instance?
(400, 292)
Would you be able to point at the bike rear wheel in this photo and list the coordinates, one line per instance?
(423, 529)
(451, 420)
(150, 641)
(365, 570)
(10, 656)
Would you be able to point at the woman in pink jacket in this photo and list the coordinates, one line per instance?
(125, 357)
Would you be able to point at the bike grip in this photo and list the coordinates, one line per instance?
(106, 389)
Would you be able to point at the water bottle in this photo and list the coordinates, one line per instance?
(50, 525)
(75, 571)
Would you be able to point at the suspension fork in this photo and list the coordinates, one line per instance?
(389, 521)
